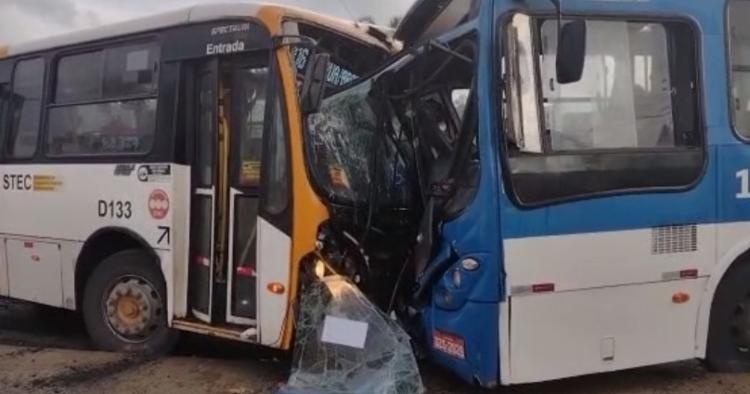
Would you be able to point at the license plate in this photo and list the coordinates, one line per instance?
(450, 344)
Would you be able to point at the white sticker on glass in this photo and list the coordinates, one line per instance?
(345, 332)
(137, 61)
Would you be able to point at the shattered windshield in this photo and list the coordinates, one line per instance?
(348, 154)
(345, 344)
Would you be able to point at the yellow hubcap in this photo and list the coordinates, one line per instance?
(133, 309)
(128, 310)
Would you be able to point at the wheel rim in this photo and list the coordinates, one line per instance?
(132, 308)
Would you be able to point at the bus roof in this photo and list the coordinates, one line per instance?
(430, 18)
(194, 14)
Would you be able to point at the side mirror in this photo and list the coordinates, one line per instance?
(571, 52)
(314, 85)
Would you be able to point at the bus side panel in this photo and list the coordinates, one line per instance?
(3, 269)
(70, 252)
(273, 251)
(733, 235)
(612, 258)
(71, 202)
(35, 270)
(167, 269)
(67, 204)
(559, 335)
(625, 271)
(181, 242)
(3, 261)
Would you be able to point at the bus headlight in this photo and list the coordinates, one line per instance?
(320, 269)
(470, 264)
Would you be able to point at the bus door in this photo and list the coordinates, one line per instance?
(203, 212)
(242, 247)
(249, 93)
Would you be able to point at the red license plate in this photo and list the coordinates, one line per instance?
(450, 344)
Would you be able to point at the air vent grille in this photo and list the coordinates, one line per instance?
(674, 239)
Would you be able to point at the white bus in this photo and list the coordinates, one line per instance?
(152, 172)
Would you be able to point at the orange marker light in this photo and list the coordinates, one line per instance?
(276, 288)
(680, 298)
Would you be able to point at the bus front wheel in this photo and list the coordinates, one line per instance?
(728, 347)
(124, 305)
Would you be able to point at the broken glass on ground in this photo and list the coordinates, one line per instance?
(345, 344)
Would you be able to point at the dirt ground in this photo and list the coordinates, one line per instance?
(45, 351)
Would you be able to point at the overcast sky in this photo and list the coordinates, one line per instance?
(23, 20)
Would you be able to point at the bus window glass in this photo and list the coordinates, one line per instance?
(28, 84)
(336, 76)
(204, 152)
(739, 40)
(460, 100)
(278, 165)
(244, 277)
(123, 119)
(350, 59)
(131, 70)
(632, 122)
(79, 78)
(346, 154)
(623, 99)
(4, 96)
(340, 136)
(251, 112)
(107, 128)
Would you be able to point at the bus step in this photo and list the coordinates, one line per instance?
(235, 333)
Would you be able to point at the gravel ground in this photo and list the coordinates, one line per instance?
(44, 351)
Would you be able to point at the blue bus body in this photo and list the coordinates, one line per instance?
(541, 262)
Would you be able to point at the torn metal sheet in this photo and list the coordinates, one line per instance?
(345, 344)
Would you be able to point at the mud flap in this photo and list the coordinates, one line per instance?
(345, 344)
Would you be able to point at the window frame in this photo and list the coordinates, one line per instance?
(4, 89)
(51, 89)
(730, 72)
(7, 153)
(504, 120)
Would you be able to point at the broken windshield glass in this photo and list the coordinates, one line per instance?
(345, 344)
(348, 151)
(341, 136)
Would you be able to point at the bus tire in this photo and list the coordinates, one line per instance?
(728, 347)
(124, 305)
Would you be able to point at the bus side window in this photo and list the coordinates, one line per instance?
(277, 165)
(739, 45)
(4, 96)
(25, 109)
(631, 123)
(105, 102)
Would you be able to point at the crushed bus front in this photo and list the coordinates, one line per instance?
(533, 181)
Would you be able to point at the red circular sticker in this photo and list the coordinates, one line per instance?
(158, 204)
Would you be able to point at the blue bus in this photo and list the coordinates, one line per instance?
(544, 189)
